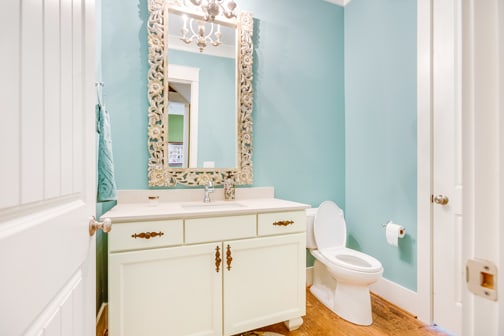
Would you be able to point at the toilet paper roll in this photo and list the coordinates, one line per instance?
(393, 232)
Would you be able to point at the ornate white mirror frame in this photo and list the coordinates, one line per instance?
(160, 175)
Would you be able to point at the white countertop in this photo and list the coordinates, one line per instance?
(128, 212)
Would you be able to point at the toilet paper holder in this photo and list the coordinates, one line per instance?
(401, 232)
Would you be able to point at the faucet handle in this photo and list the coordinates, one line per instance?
(209, 186)
(208, 189)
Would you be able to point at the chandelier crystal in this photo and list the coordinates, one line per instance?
(199, 35)
(214, 8)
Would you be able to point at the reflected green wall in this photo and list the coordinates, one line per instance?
(175, 128)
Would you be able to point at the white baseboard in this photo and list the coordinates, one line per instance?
(400, 296)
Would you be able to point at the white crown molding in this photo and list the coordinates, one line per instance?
(339, 2)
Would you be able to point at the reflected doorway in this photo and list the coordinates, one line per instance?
(179, 116)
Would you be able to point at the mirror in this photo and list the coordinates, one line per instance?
(201, 91)
(196, 134)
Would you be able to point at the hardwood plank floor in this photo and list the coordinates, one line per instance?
(388, 320)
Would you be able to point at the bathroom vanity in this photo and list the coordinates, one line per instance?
(186, 267)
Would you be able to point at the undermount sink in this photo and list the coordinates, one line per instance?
(212, 206)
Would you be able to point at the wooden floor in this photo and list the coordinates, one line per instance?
(388, 320)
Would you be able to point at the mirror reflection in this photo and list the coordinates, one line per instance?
(202, 128)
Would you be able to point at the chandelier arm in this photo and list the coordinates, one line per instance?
(201, 37)
(210, 10)
(229, 15)
(196, 2)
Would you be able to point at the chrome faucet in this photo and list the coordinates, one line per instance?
(209, 188)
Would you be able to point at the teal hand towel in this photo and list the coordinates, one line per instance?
(107, 190)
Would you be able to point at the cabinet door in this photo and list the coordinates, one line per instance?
(265, 283)
(170, 291)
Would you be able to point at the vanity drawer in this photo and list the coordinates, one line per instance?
(145, 235)
(208, 229)
(281, 222)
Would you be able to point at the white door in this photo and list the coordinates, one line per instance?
(47, 167)
(447, 259)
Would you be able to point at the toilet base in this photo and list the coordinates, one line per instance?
(352, 303)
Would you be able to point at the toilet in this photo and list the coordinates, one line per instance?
(341, 276)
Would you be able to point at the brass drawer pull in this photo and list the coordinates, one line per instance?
(217, 259)
(283, 223)
(147, 235)
(229, 259)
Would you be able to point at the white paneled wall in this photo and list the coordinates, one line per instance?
(31, 73)
(52, 104)
(77, 52)
(67, 114)
(10, 105)
(41, 66)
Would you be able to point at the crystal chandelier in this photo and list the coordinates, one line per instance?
(199, 35)
(214, 8)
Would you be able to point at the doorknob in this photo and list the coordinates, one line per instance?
(440, 199)
(94, 225)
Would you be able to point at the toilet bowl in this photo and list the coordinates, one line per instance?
(341, 276)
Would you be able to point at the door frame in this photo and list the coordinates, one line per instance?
(481, 57)
(424, 160)
(483, 145)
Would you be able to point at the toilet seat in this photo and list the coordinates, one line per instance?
(330, 232)
(351, 260)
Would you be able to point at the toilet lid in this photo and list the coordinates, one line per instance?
(329, 227)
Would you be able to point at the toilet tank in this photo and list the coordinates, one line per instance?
(310, 219)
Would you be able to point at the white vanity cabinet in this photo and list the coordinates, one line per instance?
(215, 275)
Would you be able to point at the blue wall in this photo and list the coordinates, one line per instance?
(124, 70)
(380, 126)
(299, 120)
